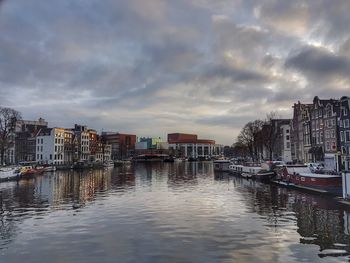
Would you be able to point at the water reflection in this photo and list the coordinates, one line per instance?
(179, 211)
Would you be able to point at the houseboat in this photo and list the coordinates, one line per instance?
(221, 165)
(262, 172)
(303, 177)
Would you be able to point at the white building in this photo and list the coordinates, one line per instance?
(286, 147)
(50, 146)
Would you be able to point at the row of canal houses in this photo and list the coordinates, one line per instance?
(321, 132)
(34, 141)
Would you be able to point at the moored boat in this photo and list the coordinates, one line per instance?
(221, 165)
(49, 168)
(29, 170)
(302, 177)
(8, 173)
(261, 172)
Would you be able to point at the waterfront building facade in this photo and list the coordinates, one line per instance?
(83, 140)
(95, 150)
(70, 147)
(286, 150)
(188, 145)
(316, 129)
(24, 142)
(122, 145)
(344, 132)
(331, 131)
(50, 146)
(300, 133)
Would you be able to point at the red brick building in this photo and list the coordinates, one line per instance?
(123, 145)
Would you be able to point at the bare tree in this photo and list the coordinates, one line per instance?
(8, 118)
(270, 133)
(239, 149)
(250, 137)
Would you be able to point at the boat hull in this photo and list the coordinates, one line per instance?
(318, 182)
(8, 174)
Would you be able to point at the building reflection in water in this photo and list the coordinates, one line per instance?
(318, 219)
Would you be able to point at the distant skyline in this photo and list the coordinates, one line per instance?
(151, 67)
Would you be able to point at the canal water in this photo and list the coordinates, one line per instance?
(180, 212)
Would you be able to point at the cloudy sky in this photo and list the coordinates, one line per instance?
(155, 66)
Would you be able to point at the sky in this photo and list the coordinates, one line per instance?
(151, 67)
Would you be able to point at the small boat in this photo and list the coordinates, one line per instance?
(28, 171)
(8, 173)
(49, 168)
(221, 165)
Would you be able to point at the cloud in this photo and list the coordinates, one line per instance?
(319, 61)
(188, 65)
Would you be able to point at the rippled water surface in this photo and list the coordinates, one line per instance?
(160, 212)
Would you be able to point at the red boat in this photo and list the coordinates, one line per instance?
(301, 176)
(27, 171)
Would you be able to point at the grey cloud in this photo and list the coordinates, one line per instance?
(184, 60)
(318, 61)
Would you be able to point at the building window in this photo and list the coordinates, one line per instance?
(327, 135)
(42, 140)
(321, 137)
(346, 123)
(288, 145)
(332, 133)
(287, 137)
(347, 136)
(333, 122)
(41, 156)
(341, 136)
(328, 146)
(38, 141)
(50, 156)
(287, 131)
(37, 156)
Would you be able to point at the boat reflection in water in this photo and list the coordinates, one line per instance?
(174, 212)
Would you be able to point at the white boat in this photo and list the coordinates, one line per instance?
(252, 170)
(8, 173)
(221, 165)
(49, 168)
